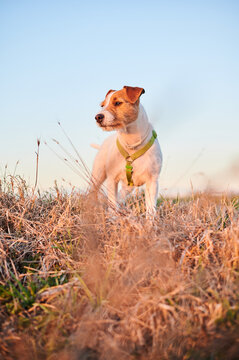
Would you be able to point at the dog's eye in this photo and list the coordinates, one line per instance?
(117, 103)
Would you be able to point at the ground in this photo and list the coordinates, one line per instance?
(79, 282)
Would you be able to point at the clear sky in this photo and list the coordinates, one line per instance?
(59, 58)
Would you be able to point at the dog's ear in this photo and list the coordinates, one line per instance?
(133, 93)
(109, 92)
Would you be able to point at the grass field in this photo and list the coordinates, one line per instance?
(79, 283)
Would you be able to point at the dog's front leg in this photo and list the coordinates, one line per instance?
(151, 195)
(112, 190)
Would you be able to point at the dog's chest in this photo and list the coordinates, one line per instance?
(143, 168)
(139, 173)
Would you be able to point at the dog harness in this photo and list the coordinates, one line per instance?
(130, 158)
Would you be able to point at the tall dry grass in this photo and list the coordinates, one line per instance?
(80, 282)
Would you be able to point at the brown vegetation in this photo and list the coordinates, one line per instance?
(78, 282)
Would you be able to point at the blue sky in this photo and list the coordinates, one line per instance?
(59, 58)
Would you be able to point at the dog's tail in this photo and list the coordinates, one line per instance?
(95, 146)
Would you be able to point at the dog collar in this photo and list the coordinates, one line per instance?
(130, 158)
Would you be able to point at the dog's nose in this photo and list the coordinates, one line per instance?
(99, 118)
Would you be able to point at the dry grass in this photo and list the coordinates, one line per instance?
(79, 283)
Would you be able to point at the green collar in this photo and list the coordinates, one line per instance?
(130, 158)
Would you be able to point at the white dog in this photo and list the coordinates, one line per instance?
(132, 156)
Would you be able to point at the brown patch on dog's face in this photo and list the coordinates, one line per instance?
(123, 110)
(120, 108)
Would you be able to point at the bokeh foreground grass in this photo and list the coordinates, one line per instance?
(78, 282)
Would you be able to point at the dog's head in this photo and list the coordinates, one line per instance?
(119, 108)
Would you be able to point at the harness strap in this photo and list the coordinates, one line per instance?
(130, 158)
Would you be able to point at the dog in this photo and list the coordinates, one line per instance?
(131, 156)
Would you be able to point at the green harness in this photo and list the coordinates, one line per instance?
(130, 158)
